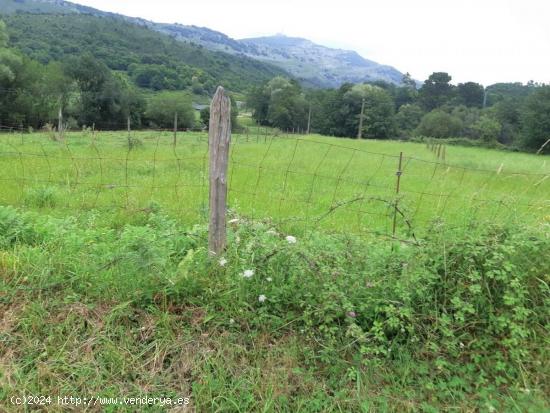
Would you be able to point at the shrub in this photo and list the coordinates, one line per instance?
(470, 301)
(163, 106)
(439, 124)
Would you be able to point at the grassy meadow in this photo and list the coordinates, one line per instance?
(107, 289)
(301, 182)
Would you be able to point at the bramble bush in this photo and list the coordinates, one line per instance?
(476, 299)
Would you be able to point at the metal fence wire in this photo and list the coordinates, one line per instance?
(298, 183)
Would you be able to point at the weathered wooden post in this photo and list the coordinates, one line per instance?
(219, 138)
(60, 123)
(309, 120)
(543, 146)
(175, 128)
(397, 189)
(361, 117)
(129, 125)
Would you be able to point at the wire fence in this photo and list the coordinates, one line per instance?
(298, 183)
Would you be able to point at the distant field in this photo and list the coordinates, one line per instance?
(301, 182)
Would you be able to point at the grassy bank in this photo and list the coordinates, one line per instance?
(91, 306)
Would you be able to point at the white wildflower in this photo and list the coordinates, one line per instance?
(272, 232)
(262, 298)
(223, 262)
(290, 239)
(269, 279)
(234, 221)
(231, 321)
(248, 273)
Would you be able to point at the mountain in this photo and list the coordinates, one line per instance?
(312, 64)
(152, 60)
(46, 7)
(317, 64)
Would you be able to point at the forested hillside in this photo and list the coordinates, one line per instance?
(150, 59)
(313, 64)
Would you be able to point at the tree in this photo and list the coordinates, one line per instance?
(439, 124)
(4, 38)
(487, 129)
(378, 111)
(205, 116)
(436, 91)
(279, 103)
(9, 61)
(156, 77)
(500, 91)
(16, 74)
(104, 99)
(162, 107)
(408, 118)
(471, 94)
(258, 102)
(408, 81)
(332, 116)
(507, 111)
(535, 119)
(468, 117)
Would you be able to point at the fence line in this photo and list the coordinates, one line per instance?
(298, 184)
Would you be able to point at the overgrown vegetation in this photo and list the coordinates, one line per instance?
(321, 323)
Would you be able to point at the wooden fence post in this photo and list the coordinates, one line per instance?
(60, 123)
(175, 128)
(361, 118)
(219, 138)
(309, 121)
(543, 146)
(129, 125)
(397, 189)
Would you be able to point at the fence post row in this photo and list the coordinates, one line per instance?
(219, 138)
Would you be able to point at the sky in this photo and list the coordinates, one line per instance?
(485, 41)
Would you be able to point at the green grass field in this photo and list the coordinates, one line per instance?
(107, 289)
(301, 182)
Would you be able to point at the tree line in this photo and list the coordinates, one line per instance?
(510, 114)
(87, 92)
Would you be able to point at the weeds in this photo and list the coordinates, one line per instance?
(324, 323)
(45, 197)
